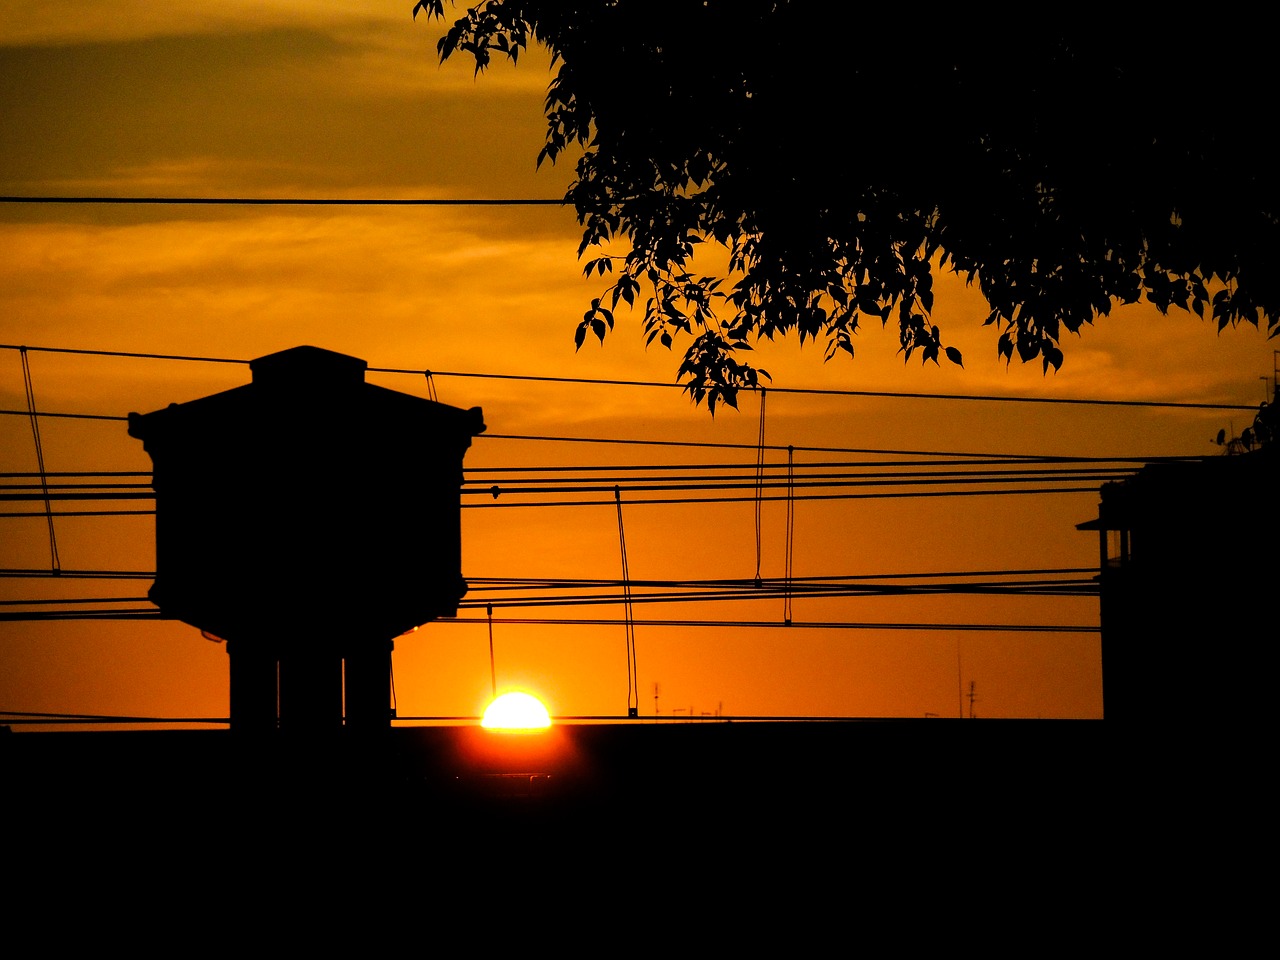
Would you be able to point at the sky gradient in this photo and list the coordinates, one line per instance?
(346, 100)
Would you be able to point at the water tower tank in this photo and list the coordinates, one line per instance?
(308, 518)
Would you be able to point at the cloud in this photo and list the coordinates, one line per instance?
(284, 109)
(123, 20)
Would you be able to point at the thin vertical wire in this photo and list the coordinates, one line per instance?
(791, 535)
(759, 487)
(633, 689)
(493, 670)
(56, 564)
(392, 671)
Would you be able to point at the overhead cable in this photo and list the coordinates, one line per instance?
(289, 201)
(821, 391)
(39, 448)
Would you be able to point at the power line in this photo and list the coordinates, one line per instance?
(57, 600)
(532, 592)
(879, 495)
(506, 592)
(539, 486)
(1092, 490)
(39, 449)
(988, 398)
(740, 581)
(27, 573)
(696, 444)
(69, 416)
(787, 468)
(124, 354)
(767, 474)
(799, 625)
(481, 583)
(292, 201)
(79, 474)
(922, 627)
(880, 474)
(31, 716)
(1085, 589)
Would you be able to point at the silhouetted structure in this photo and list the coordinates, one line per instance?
(1187, 573)
(308, 518)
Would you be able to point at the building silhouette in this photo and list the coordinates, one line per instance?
(1187, 575)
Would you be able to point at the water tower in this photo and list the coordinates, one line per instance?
(308, 518)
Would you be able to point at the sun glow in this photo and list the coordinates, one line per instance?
(516, 711)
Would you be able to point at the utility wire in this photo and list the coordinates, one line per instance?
(1092, 490)
(1066, 590)
(1013, 464)
(483, 583)
(64, 574)
(789, 549)
(644, 383)
(493, 667)
(80, 351)
(17, 718)
(633, 680)
(692, 444)
(882, 475)
(291, 201)
(534, 592)
(57, 600)
(662, 501)
(759, 512)
(665, 477)
(617, 621)
(39, 448)
(66, 416)
(686, 501)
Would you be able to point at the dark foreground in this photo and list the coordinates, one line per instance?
(577, 771)
(700, 817)
(573, 788)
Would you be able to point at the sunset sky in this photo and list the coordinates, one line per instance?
(340, 99)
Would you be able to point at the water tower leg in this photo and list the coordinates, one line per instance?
(311, 690)
(253, 689)
(368, 686)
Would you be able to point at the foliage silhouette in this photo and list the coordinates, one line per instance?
(1061, 166)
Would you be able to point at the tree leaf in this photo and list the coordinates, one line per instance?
(679, 131)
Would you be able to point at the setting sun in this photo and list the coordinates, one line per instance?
(516, 711)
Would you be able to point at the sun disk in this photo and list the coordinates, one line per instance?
(516, 711)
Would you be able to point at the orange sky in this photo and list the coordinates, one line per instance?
(344, 99)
